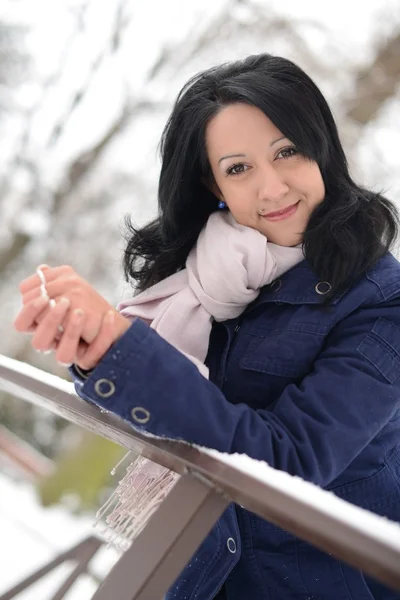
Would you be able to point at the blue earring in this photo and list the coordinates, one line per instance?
(222, 204)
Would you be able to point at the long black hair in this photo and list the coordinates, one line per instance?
(346, 234)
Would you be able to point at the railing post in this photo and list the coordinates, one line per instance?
(161, 551)
(82, 553)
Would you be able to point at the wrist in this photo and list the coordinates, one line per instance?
(122, 325)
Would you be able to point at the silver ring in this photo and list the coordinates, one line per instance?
(43, 291)
(41, 276)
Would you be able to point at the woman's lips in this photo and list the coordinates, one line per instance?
(282, 214)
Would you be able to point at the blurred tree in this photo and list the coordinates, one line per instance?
(81, 473)
(377, 82)
(14, 62)
(85, 153)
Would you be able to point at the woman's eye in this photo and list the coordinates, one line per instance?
(236, 169)
(287, 152)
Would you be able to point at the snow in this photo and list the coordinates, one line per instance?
(307, 493)
(23, 368)
(32, 536)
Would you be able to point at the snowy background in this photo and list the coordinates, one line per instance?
(31, 537)
(85, 90)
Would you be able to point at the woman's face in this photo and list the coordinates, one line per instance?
(257, 169)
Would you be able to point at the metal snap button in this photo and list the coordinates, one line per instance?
(231, 545)
(276, 285)
(140, 414)
(323, 287)
(108, 391)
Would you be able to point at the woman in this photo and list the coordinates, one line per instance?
(307, 378)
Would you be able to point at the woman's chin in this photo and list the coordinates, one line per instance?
(289, 241)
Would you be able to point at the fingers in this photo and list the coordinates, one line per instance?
(96, 350)
(71, 284)
(43, 315)
(82, 348)
(26, 317)
(47, 329)
(92, 321)
(75, 306)
(50, 274)
(70, 340)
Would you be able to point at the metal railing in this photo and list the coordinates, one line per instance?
(206, 487)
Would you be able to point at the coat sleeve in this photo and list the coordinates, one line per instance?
(316, 428)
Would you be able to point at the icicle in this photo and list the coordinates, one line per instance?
(114, 469)
(138, 495)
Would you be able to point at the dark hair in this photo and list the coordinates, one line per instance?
(346, 234)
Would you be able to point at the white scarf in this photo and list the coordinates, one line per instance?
(223, 274)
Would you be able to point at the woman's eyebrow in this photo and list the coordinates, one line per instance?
(244, 155)
(231, 156)
(278, 140)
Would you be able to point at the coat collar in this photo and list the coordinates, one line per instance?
(299, 285)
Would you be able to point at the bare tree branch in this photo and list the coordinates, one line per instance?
(376, 83)
(19, 242)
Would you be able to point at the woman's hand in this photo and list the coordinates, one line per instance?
(91, 325)
(64, 281)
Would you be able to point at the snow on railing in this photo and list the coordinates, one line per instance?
(209, 482)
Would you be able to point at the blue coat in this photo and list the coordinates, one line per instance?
(311, 390)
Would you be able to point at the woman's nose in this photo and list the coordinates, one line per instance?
(271, 186)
